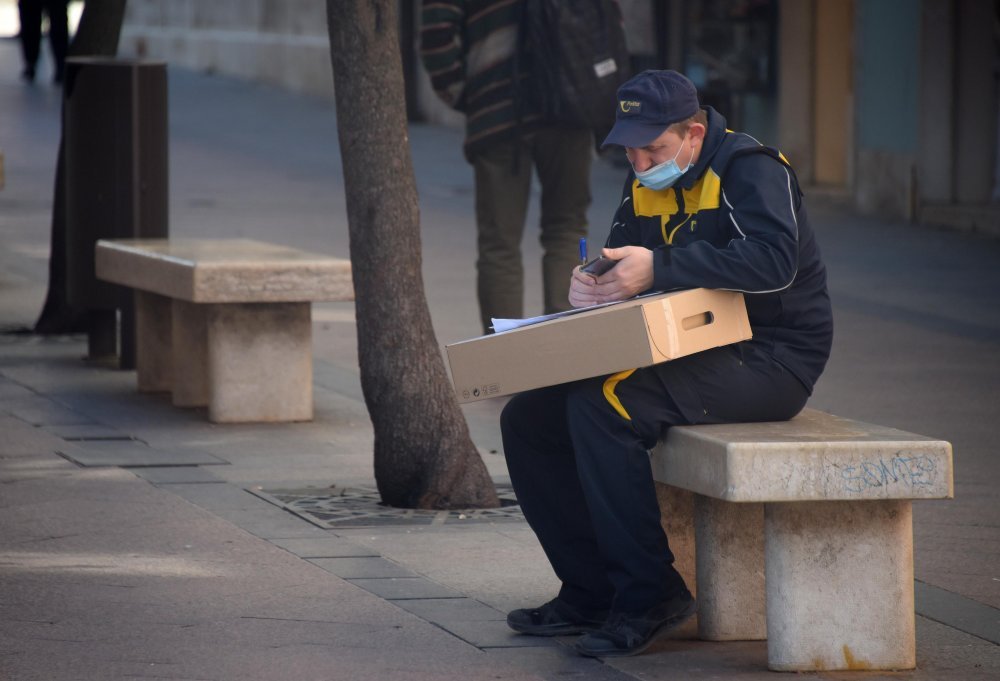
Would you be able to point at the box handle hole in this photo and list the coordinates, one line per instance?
(694, 321)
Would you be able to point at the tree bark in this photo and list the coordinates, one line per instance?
(424, 456)
(97, 35)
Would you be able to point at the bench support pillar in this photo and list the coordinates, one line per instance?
(677, 519)
(190, 374)
(839, 585)
(730, 565)
(260, 362)
(154, 348)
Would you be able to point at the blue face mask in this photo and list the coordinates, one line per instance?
(663, 175)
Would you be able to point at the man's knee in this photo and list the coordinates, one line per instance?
(586, 401)
(524, 415)
(535, 420)
(512, 415)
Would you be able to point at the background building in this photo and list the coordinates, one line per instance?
(892, 103)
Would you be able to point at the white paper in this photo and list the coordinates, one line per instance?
(501, 325)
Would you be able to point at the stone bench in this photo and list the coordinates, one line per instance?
(803, 534)
(225, 323)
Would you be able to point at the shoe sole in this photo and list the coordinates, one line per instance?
(668, 625)
(554, 631)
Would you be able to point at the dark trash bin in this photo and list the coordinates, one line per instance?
(115, 154)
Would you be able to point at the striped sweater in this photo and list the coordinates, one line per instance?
(468, 48)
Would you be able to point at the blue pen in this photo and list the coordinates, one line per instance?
(583, 251)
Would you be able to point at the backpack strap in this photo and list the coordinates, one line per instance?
(517, 73)
(769, 151)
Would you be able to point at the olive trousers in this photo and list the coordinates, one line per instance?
(561, 157)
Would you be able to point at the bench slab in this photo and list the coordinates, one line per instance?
(815, 456)
(804, 534)
(223, 270)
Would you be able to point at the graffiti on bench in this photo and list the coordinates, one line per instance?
(912, 471)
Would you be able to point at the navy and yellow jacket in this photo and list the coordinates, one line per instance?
(735, 221)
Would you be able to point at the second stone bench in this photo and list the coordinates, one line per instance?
(226, 323)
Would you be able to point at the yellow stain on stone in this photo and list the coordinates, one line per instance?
(852, 663)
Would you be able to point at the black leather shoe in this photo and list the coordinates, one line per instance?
(631, 633)
(555, 618)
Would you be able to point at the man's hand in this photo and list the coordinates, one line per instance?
(632, 275)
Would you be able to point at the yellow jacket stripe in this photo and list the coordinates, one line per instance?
(609, 392)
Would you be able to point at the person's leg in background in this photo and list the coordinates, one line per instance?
(30, 14)
(58, 36)
(562, 157)
(503, 185)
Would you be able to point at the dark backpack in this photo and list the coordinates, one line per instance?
(574, 56)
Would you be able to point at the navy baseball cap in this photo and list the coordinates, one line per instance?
(648, 104)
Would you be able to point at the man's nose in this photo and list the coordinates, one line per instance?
(640, 161)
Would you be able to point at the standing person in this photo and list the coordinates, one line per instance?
(30, 13)
(470, 49)
(702, 207)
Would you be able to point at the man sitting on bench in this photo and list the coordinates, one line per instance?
(702, 207)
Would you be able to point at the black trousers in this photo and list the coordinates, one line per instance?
(578, 459)
(30, 12)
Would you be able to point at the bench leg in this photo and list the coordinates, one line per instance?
(260, 362)
(190, 374)
(730, 564)
(677, 519)
(839, 585)
(154, 363)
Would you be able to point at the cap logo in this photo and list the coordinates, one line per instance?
(629, 106)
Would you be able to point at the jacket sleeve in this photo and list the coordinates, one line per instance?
(760, 199)
(442, 50)
(625, 225)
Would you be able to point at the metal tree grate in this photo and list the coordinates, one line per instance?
(335, 507)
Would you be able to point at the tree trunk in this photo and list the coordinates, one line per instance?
(424, 457)
(96, 36)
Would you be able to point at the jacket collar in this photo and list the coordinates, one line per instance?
(713, 140)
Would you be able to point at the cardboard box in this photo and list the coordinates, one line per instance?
(627, 335)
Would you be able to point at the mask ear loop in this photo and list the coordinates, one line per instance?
(676, 154)
(691, 147)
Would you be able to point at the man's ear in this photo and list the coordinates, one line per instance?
(697, 131)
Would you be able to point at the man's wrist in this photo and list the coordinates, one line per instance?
(661, 265)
